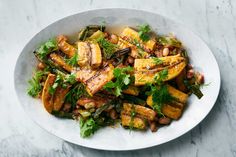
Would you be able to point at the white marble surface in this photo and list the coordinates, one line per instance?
(213, 20)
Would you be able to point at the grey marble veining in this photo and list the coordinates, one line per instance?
(213, 20)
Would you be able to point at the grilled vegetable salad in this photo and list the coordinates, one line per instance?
(136, 78)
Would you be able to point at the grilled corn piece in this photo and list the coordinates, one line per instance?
(96, 35)
(171, 111)
(89, 54)
(178, 95)
(84, 74)
(47, 98)
(146, 69)
(145, 112)
(132, 34)
(135, 51)
(64, 46)
(101, 77)
(134, 122)
(59, 97)
(59, 61)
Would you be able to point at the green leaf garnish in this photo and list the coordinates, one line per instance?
(46, 48)
(143, 32)
(122, 80)
(157, 61)
(159, 91)
(107, 47)
(88, 127)
(169, 41)
(73, 61)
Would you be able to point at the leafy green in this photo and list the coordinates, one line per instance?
(157, 61)
(46, 48)
(74, 94)
(63, 81)
(34, 84)
(143, 32)
(88, 127)
(159, 91)
(70, 78)
(108, 47)
(73, 60)
(122, 80)
(169, 41)
(58, 81)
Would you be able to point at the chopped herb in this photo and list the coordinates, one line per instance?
(108, 47)
(157, 61)
(46, 48)
(122, 80)
(140, 49)
(143, 32)
(71, 79)
(74, 94)
(159, 91)
(169, 41)
(58, 82)
(34, 84)
(73, 60)
(88, 127)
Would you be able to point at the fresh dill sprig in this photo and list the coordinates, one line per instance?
(107, 47)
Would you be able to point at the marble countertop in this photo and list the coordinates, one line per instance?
(213, 20)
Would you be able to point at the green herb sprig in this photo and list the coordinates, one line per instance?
(73, 61)
(143, 31)
(122, 80)
(88, 127)
(35, 86)
(46, 48)
(107, 47)
(159, 91)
